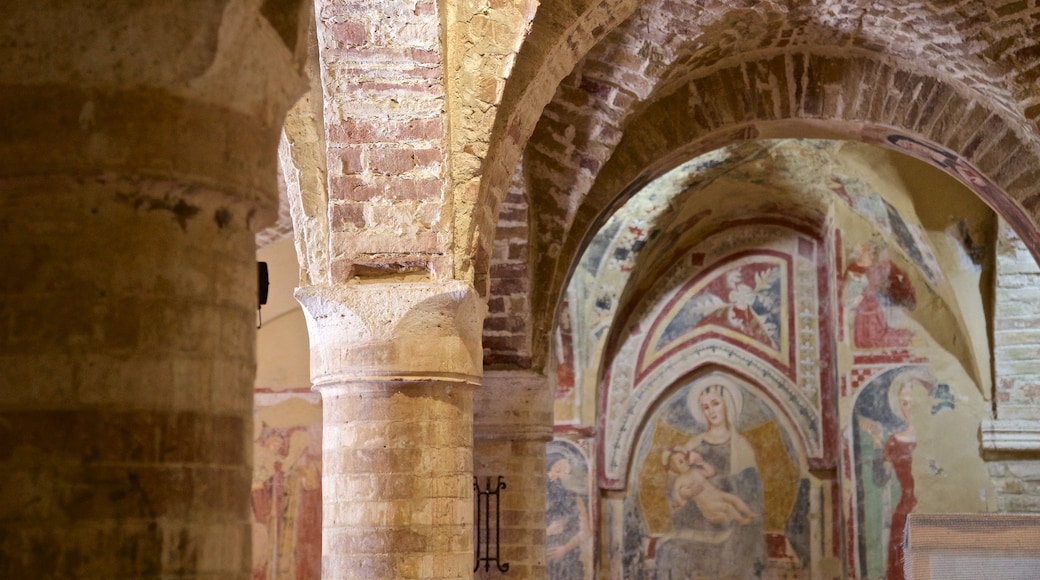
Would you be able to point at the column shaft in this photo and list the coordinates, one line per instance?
(398, 475)
(512, 424)
(138, 154)
(127, 361)
(396, 365)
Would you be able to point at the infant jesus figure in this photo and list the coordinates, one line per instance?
(691, 483)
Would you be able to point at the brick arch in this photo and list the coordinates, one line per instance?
(560, 36)
(849, 98)
(983, 47)
(661, 46)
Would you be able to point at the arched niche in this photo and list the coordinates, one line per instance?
(719, 486)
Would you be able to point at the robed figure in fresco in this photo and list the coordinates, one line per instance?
(888, 440)
(286, 502)
(872, 285)
(566, 515)
(716, 519)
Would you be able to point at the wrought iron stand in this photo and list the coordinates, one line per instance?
(483, 516)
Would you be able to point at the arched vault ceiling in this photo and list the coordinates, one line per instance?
(680, 78)
(805, 186)
(283, 227)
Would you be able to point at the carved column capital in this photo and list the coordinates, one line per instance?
(395, 364)
(387, 332)
(151, 90)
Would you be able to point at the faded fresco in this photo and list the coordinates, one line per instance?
(885, 420)
(773, 391)
(913, 415)
(910, 238)
(568, 523)
(286, 496)
(745, 300)
(566, 397)
(717, 489)
(756, 311)
(876, 291)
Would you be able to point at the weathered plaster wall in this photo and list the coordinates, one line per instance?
(283, 355)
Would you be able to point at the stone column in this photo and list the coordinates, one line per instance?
(396, 365)
(132, 174)
(127, 366)
(512, 422)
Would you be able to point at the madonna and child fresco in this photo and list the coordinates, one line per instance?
(718, 492)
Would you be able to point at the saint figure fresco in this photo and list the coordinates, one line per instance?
(567, 528)
(286, 502)
(873, 285)
(886, 439)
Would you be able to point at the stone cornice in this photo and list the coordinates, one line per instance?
(513, 406)
(1010, 435)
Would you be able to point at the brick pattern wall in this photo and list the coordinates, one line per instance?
(512, 421)
(783, 87)
(396, 478)
(1016, 330)
(1017, 485)
(384, 95)
(507, 339)
(559, 37)
(522, 504)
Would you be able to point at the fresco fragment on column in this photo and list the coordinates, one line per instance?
(568, 510)
(286, 495)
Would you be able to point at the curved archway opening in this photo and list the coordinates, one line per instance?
(830, 263)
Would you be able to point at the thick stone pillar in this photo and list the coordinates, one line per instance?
(138, 154)
(127, 364)
(512, 422)
(396, 365)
